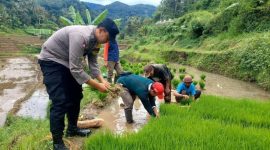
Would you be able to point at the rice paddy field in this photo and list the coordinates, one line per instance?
(211, 123)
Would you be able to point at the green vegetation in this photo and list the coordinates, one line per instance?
(195, 82)
(220, 36)
(39, 32)
(202, 84)
(182, 70)
(187, 101)
(91, 95)
(19, 133)
(30, 49)
(211, 123)
(78, 20)
(136, 68)
(181, 77)
(203, 76)
(175, 82)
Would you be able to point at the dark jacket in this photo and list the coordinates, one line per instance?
(113, 53)
(161, 73)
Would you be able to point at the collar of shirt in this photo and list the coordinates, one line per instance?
(149, 86)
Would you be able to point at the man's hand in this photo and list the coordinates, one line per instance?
(106, 83)
(101, 87)
(156, 112)
(186, 96)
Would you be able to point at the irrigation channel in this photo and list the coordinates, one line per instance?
(22, 93)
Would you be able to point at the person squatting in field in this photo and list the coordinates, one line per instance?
(186, 90)
(144, 88)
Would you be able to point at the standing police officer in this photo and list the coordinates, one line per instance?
(61, 61)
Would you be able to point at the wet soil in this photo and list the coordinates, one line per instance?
(36, 106)
(19, 78)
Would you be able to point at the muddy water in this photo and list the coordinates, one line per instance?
(36, 106)
(115, 120)
(18, 78)
(223, 86)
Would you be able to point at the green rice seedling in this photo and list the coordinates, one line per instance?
(195, 83)
(173, 75)
(202, 84)
(137, 72)
(174, 70)
(102, 96)
(203, 76)
(103, 69)
(244, 125)
(186, 101)
(181, 77)
(182, 70)
(175, 82)
(123, 61)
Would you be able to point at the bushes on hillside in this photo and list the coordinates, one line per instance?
(250, 61)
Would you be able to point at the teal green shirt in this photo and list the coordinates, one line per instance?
(139, 85)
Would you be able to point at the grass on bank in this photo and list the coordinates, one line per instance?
(244, 57)
(212, 123)
(30, 134)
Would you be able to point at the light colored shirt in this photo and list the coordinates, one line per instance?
(68, 46)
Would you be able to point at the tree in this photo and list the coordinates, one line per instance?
(4, 16)
(133, 25)
(76, 18)
(169, 9)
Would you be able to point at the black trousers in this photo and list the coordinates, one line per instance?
(65, 94)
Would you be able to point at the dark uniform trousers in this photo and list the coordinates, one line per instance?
(65, 93)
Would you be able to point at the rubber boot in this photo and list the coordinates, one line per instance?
(60, 146)
(58, 143)
(75, 131)
(128, 114)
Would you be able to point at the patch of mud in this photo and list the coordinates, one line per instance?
(17, 69)
(114, 116)
(7, 85)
